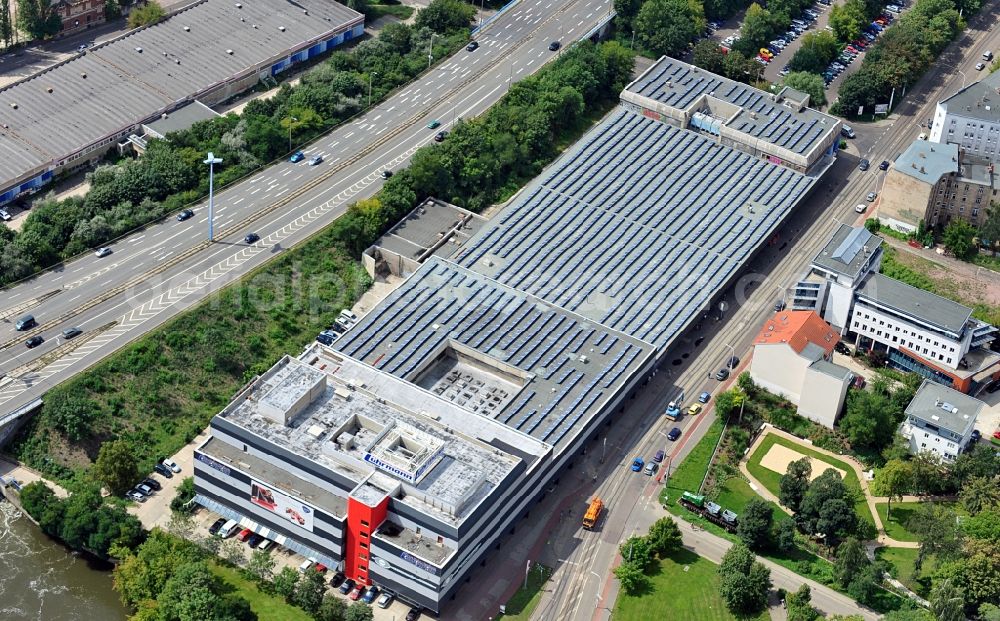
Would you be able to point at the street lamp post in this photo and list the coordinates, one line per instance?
(211, 160)
(430, 51)
(291, 120)
(370, 77)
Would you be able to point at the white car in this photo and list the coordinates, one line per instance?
(861, 208)
(980, 66)
(169, 463)
(306, 564)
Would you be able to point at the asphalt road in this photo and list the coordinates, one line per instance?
(158, 272)
(583, 588)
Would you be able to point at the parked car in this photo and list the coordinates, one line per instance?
(244, 535)
(152, 483)
(306, 564)
(298, 156)
(871, 196)
(976, 436)
(980, 66)
(659, 456)
(864, 164)
(733, 362)
(321, 568)
(637, 464)
(859, 382)
(184, 215)
(169, 463)
(840, 348)
(103, 252)
(859, 208)
(337, 579)
(356, 593)
(695, 409)
(674, 434)
(145, 489)
(265, 545)
(5, 215)
(136, 496)
(370, 594)
(384, 600)
(704, 397)
(255, 540)
(346, 586)
(163, 471)
(722, 374)
(413, 614)
(651, 468)
(216, 525)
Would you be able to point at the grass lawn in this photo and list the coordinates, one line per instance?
(683, 573)
(895, 525)
(688, 476)
(903, 560)
(374, 11)
(523, 603)
(771, 479)
(267, 607)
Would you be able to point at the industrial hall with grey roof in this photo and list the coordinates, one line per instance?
(523, 334)
(211, 50)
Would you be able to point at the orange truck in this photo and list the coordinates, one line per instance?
(593, 513)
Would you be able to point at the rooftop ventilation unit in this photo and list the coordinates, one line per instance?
(138, 49)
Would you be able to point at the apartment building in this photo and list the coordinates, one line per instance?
(970, 118)
(940, 420)
(77, 15)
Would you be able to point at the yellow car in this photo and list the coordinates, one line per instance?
(694, 409)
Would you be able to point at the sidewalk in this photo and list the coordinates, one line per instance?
(24, 475)
(871, 500)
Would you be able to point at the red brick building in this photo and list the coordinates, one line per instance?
(78, 15)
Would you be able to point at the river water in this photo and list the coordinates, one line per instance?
(41, 581)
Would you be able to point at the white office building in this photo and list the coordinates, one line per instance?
(971, 118)
(940, 420)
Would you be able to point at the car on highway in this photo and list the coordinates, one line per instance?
(251, 238)
(674, 434)
(980, 66)
(722, 374)
(34, 342)
(384, 600)
(370, 594)
(298, 156)
(346, 586)
(103, 252)
(169, 463)
(163, 471)
(434, 124)
(555, 45)
(860, 208)
(651, 468)
(184, 215)
(884, 165)
(152, 483)
(704, 397)
(695, 409)
(440, 136)
(871, 196)
(216, 525)
(637, 464)
(864, 164)
(316, 159)
(69, 333)
(471, 47)
(386, 173)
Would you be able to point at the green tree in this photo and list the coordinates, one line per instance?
(181, 502)
(664, 537)
(309, 591)
(142, 573)
(895, 479)
(631, 578)
(193, 592)
(38, 18)
(870, 419)
(794, 484)
(261, 566)
(746, 384)
(754, 527)
(980, 493)
(784, 536)
(668, 26)
(6, 24)
(359, 611)
(936, 528)
(112, 9)
(145, 14)
(285, 582)
(989, 612)
(70, 413)
(848, 19)
(918, 614)
(759, 26)
(333, 608)
(815, 53)
(444, 15)
(744, 581)
(116, 466)
(808, 83)
(984, 525)
(827, 507)
(44, 506)
(958, 238)
(989, 230)
(947, 602)
(865, 585)
(799, 605)
(709, 56)
(638, 551)
(625, 14)
(850, 561)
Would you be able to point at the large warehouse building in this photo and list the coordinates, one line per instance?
(73, 113)
(407, 450)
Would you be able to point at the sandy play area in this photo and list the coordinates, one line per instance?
(778, 458)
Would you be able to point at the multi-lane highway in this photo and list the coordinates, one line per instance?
(169, 266)
(582, 587)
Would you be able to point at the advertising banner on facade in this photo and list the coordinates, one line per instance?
(294, 511)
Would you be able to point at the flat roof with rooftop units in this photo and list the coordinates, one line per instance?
(778, 125)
